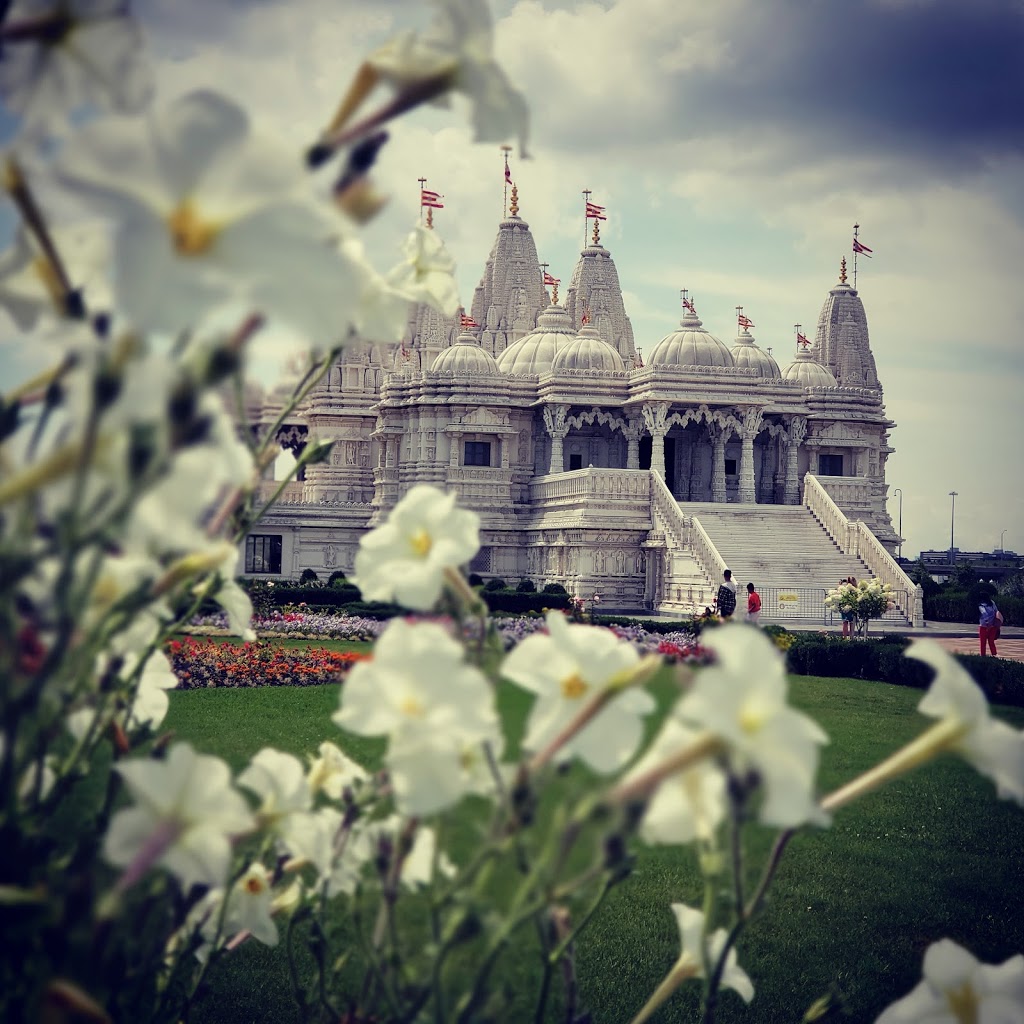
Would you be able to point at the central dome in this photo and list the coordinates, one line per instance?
(588, 351)
(535, 352)
(807, 371)
(691, 345)
(465, 356)
(745, 352)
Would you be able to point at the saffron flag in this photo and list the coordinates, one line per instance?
(466, 322)
(595, 212)
(688, 305)
(508, 173)
(801, 339)
(745, 321)
(431, 199)
(551, 281)
(860, 248)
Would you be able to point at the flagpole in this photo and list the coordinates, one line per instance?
(587, 193)
(422, 182)
(856, 228)
(504, 199)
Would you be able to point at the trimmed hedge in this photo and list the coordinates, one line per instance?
(651, 625)
(961, 608)
(816, 655)
(517, 603)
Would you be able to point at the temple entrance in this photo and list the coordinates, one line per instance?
(670, 459)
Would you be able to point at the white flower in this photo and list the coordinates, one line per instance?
(957, 989)
(742, 700)
(250, 906)
(456, 53)
(279, 780)
(90, 54)
(333, 771)
(208, 212)
(29, 290)
(690, 804)
(184, 816)
(692, 958)
(418, 865)
(404, 559)
(150, 703)
(691, 932)
(427, 274)
(566, 668)
(993, 747)
(419, 692)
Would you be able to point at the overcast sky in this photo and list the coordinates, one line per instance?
(734, 144)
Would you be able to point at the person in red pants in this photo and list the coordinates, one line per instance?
(987, 627)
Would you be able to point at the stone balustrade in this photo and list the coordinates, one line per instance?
(294, 492)
(576, 484)
(854, 538)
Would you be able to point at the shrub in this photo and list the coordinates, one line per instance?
(475, 580)
(510, 601)
(818, 654)
(309, 576)
(336, 579)
(497, 583)
(650, 625)
(526, 587)
(959, 607)
(554, 588)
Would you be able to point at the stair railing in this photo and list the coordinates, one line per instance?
(684, 532)
(855, 538)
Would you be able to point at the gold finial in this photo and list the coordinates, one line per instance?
(596, 237)
(842, 271)
(513, 207)
(554, 294)
(585, 319)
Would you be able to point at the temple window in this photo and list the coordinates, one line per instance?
(575, 460)
(830, 465)
(730, 467)
(477, 453)
(263, 553)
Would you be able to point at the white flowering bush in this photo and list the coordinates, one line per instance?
(131, 862)
(866, 600)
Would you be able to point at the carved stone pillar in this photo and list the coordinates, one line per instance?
(797, 432)
(655, 417)
(390, 452)
(717, 435)
(554, 421)
(751, 425)
(453, 451)
(633, 432)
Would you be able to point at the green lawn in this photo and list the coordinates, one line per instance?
(854, 906)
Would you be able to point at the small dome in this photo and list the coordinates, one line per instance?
(806, 371)
(691, 345)
(535, 352)
(465, 356)
(588, 351)
(745, 352)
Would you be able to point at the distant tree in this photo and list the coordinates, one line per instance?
(1013, 585)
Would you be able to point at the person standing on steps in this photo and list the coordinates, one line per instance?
(726, 599)
(753, 605)
(987, 626)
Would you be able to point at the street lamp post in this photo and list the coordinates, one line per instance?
(899, 550)
(1001, 536)
(952, 520)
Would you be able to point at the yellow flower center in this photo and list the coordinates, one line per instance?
(254, 884)
(751, 719)
(190, 233)
(573, 687)
(421, 542)
(412, 707)
(963, 1002)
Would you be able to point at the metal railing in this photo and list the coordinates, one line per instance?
(807, 604)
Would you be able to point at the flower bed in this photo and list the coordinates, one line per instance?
(203, 663)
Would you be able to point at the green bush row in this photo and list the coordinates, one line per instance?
(814, 655)
(520, 603)
(651, 625)
(961, 608)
